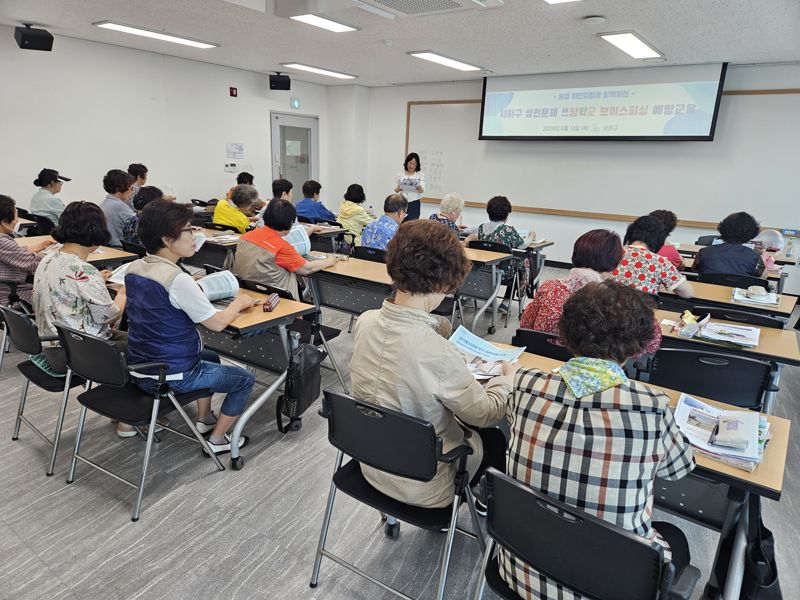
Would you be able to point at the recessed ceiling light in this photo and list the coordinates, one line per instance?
(560, 1)
(631, 44)
(156, 35)
(444, 61)
(317, 70)
(323, 23)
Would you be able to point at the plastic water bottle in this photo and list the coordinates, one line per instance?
(371, 211)
(789, 251)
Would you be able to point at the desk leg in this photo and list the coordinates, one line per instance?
(236, 462)
(733, 582)
(492, 299)
(771, 396)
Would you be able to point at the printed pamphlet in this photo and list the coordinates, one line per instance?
(483, 358)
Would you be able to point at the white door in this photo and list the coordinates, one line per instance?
(295, 149)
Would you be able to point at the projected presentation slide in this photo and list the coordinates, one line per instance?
(657, 110)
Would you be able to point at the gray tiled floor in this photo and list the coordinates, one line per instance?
(238, 535)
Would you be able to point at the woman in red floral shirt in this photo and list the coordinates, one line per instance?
(594, 255)
(642, 268)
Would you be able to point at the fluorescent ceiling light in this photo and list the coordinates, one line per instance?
(631, 44)
(443, 60)
(156, 35)
(324, 23)
(374, 9)
(560, 1)
(317, 70)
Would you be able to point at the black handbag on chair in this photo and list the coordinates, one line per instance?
(303, 385)
(760, 571)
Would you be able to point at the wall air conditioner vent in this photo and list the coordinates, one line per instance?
(419, 7)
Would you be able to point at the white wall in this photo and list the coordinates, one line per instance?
(348, 137)
(86, 108)
(776, 205)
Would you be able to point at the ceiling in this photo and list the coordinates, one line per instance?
(519, 37)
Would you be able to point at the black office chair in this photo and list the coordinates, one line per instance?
(574, 549)
(723, 377)
(373, 254)
(706, 240)
(116, 397)
(44, 225)
(399, 444)
(738, 316)
(198, 202)
(219, 227)
(739, 281)
(133, 248)
(23, 333)
(302, 219)
(202, 219)
(24, 213)
(543, 344)
(510, 275)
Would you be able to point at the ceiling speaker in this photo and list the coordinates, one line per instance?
(280, 82)
(29, 38)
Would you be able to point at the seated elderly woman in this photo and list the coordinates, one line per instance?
(497, 230)
(403, 360)
(591, 438)
(17, 263)
(595, 254)
(643, 269)
(143, 197)
(732, 257)
(449, 211)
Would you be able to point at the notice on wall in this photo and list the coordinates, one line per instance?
(234, 150)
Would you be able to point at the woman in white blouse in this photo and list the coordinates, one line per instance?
(411, 184)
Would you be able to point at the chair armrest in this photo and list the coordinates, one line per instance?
(684, 583)
(455, 454)
(162, 370)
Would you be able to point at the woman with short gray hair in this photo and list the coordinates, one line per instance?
(449, 211)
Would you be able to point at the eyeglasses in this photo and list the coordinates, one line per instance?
(187, 229)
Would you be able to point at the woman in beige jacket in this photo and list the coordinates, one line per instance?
(402, 360)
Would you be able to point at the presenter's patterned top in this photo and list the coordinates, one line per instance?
(646, 271)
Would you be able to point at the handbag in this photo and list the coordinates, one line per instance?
(760, 571)
(303, 385)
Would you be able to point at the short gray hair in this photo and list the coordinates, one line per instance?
(452, 203)
(244, 195)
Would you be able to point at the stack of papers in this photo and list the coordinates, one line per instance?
(226, 238)
(735, 437)
(771, 299)
(483, 358)
(739, 335)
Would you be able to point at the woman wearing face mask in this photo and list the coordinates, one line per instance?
(16, 262)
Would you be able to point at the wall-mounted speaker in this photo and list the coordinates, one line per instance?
(280, 82)
(29, 38)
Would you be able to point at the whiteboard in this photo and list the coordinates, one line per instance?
(751, 165)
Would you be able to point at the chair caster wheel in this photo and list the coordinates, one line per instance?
(296, 424)
(492, 329)
(14, 439)
(237, 463)
(392, 530)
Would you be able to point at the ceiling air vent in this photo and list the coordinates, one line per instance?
(419, 7)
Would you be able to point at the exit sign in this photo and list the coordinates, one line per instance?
(294, 103)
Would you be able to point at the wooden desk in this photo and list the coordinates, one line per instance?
(352, 286)
(721, 295)
(766, 479)
(693, 249)
(255, 317)
(364, 270)
(103, 255)
(485, 257)
(779, 345)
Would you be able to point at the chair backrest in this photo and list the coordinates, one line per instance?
(201, 219)
(739, 281)
(588, 555)
(373, 254)
(133, 248)
(218, 227)
(490, 246)
(302, 219)
(212, 269)
(538, 342)
(382, 438)
(22, 330)
(24, 213)
(723, 377)
(739, 316)
(197, 202)
(93, 358)
(255, 286)
(706, 240)
(44, 225)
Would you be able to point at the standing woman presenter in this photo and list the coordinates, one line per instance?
(411, 184)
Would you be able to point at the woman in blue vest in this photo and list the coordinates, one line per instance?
(164, 305)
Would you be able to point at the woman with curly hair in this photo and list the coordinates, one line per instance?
(590, 437)
(731, 257)
(403, 360)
